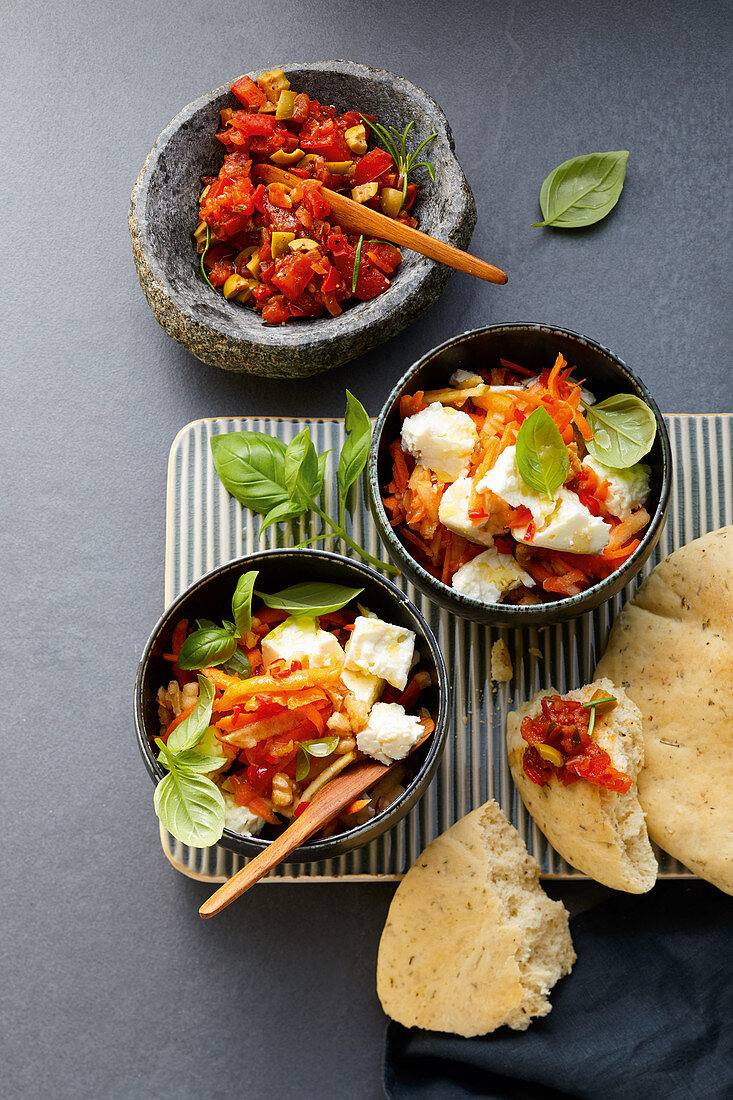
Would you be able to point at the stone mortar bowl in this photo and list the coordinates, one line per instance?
(163, 215)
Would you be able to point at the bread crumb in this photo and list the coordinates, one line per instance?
(502, 669)
(536, 652)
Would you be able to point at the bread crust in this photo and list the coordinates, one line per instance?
(601, 833)
(672, 649)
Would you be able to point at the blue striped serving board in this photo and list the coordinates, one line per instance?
(206, 527)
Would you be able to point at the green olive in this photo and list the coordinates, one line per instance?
(390, 199)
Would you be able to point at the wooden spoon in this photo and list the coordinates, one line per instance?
(326, 804)
(357, 218)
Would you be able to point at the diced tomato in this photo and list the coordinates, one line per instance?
(248, 93)
(325, 138)
(293, 274)
(384, 256)
(251, 125)
(370, 281)
(276, 310)
(245, 796)
(373, 165)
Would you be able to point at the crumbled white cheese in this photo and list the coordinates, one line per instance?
(502, 668)
(489, 575)
(442, 439)
(239, 819)
(571, 527)
(390, 733)
(299, 638)
(363, 685)
(381, 649)
(453, 513)
(627, 489)
(505, 480)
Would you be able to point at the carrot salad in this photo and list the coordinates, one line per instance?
(472, 494)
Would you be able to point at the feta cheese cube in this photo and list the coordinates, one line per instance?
(453, 513)
(571, 527)
(627, 489)
(390, 733)
(239, 819)
(489, 575)
(363, 685)
(299, 638)
(382, 649)
(505, 480)
(442, 439)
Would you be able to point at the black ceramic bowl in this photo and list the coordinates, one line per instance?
(164, 210)
(534, 346)
(211, 597)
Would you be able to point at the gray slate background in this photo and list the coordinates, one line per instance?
(113, 986)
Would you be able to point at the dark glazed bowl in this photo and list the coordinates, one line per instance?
(534, 346)
(211, 597)
(163, 215)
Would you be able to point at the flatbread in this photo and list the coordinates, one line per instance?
(471, 940)
(672, 649)
(601, 833)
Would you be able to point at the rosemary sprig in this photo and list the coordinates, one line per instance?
(203, 269)
(396, 145)
(357, 261)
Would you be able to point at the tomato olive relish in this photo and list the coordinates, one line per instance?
(283, 703)
(561, 743)
(516, 487)
(276, 248)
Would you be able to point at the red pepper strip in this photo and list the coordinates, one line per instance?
(179, 637)
(300, 807)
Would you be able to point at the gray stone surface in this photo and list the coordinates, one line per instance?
(113, 988)
(224, 334)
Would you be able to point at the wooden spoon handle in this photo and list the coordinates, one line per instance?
(357, 218)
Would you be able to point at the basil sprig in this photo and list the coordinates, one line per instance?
(319, 747)
(542, 457)
(187, 802)
(217, 645)
(624, 429)
(582, 190)
(311, 598)
(282, 482)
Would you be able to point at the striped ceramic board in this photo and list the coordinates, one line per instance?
(206, 527)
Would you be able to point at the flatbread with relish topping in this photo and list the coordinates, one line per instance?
(602, 833)
(672, 649)
(471, 940)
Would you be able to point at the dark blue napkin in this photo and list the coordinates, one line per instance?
(647, 1014)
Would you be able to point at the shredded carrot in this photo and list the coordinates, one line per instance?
(220, 679)
(177, 721)
(268, 685)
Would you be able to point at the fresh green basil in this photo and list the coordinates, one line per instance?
(582, 190)
(302, 476)
(624, 429)
(320, 747)
(192, 729)
(238, 665)
(242, 602)
(251, 466)
(207, 647)
(310, 598)
(542, 457)
(193, 760)
(355, 451)
(190, 806)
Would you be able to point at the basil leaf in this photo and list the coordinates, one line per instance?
(192, 729)
(280, 514)
(583, 190)
(355, 451)
(321, 746)
(542, 457)
(195, 761)
(303, 765)
(301, 470)
(251, 466)
(242, 602)
(624, 430)
(203, 624)
(238, 665)
(190, 807)
(206, 647)
(311, 598)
